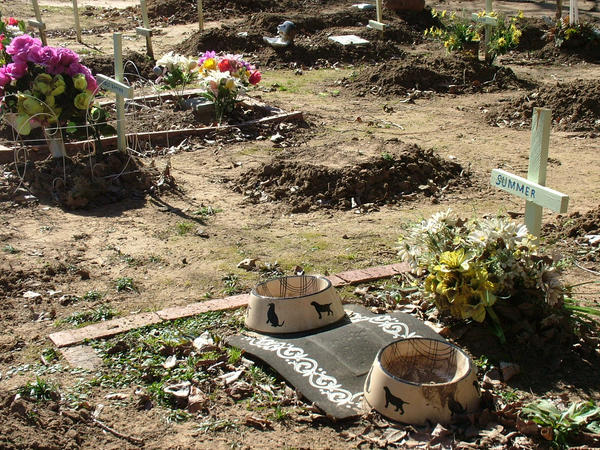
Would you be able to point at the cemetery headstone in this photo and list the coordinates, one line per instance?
(533, 189)
(488, 22)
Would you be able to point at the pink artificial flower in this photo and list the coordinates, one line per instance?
(67, 56)
(41, 55)
(255, 77)
(17, 69)
(224, 65)
(12, 21)
(5, 77)
(19, 47)
(207, 55)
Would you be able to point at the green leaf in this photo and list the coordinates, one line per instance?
(71, 127)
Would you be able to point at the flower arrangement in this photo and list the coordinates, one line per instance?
(472, 265)
(565, 34)
(44, 86)
(9, 28)
(225, 77)
(458, 34)
(176, 72)
(505, 35)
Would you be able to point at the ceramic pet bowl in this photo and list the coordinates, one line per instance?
(293, 304)
(417, 380)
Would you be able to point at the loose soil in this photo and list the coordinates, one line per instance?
(575, 107)
(388, 179)
(182, 244)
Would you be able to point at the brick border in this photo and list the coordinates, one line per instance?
(113, 327)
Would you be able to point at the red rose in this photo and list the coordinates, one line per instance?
(255, 77)
(12, 21)
(224, 65)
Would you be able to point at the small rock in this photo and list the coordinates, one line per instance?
(247, 264)
(277, 138)
(509, 370)
(203, 341)
(179, 390)
(170, 362)
(84, 274)
(492, 378)
(201, 232)
(19, 407)
(197, 400)
(31, 294)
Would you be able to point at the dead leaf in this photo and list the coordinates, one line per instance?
(230, 377)
(257, 422)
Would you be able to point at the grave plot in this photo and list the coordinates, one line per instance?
(575, 107)
(403, 173)
(312, 46)
(449, 74)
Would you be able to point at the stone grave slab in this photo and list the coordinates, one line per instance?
(349, 39)
(329, 366)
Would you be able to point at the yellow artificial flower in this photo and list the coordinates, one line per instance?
(80, 82)
(23, 126)
(520, 15)
(32, 106)
(444, 13)
(230, 84)
(43, 83)
(209, 64)
(501, 42)
(59, 85)
(82, 101)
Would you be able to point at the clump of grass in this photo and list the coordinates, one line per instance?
(49, 355)
(234, 355)
(102, 313)
(40, 390)
(93, 296)
(184, 228)
(231, 283)
(10, 249)
(125, 284)
(279, 415)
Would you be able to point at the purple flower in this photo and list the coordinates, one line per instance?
(67, 56)
(207, 55)
(17, 69)
(74, 69)
(41, 55)
(5, 77)
(19, 47)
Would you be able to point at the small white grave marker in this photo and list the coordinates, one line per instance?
(488, 23)
(573, 12)
(378, 24)
(146, 31)
(533, 189)
(120, 89)
(349, 39)
(76, 17)
(38, 23)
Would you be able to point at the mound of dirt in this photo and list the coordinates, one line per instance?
(135, 65)
(383, 180)
(115, 177)
(312, 45)
(575, 107)
(449, 74)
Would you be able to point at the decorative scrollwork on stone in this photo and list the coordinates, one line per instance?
(308, 367)
(387, 323)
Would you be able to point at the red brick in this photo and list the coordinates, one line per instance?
(82, 356)
(219, 304)
(336, 281)
(103, 329)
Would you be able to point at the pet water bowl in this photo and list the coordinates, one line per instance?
(293, 304)
(417, 380)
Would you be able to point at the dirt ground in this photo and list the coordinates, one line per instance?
(392, 133)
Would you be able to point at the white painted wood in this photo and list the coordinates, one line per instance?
(349, 39)
(200, 16)
(143, 31)
(76, 17)
(573, 12)
(39, 23)
(528, 190)
(115, 86)
(376, 25)
(147, 30)
(379, 10)
(486, 20)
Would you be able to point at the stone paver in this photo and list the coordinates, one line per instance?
(82, 356)
(112, 327)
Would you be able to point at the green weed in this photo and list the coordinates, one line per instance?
(10, 249)
(40, 390)
(92, 296)
(125, 284)
(231, 283)
(234, 355)
(99, 314)
(184, 228)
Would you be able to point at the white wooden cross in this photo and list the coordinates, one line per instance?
(378, 24)
(533, 189)
(76, 17)
(37, 23)
(573, 12)
(200, 16)
(488, 23)
(146, 30)
(120, 89)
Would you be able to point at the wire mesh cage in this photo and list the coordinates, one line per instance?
(424, 361)
(292, 287)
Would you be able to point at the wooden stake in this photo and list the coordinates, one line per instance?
(379, 6)
(573, 12)
(146, 30)
(200, 16)
(37, 23)
(76, 17)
